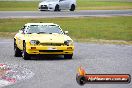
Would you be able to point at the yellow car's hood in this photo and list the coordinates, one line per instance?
(48, 38)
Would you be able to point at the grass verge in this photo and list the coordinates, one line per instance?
(81, 5)
(103, 5)
(80, 29)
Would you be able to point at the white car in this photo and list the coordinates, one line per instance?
(57, 5)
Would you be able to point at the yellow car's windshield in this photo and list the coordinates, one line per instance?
(46, 29)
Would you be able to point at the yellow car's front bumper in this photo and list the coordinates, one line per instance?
(60, 50)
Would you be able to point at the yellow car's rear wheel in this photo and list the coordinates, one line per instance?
(25, 55)
(68, 56)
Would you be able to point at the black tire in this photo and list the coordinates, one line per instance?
(25, 55)
(72, 7)
(57, 8)
(68, 56)
(42, 10)
(17, 51)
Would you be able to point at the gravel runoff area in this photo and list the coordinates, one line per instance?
(56, 72)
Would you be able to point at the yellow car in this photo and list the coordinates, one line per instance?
(42, 38)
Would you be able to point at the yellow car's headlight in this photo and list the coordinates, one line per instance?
(68, 42)
(34, 42)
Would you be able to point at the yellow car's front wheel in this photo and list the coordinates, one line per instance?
(25, 55)
(17, 51)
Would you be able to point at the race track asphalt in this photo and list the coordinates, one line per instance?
(78, 13)
(56, 72)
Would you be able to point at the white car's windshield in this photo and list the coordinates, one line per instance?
(50, 0)
(46, 29)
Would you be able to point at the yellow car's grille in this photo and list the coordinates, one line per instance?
(50, 50)
(51, 44)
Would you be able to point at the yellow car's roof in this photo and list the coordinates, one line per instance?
(28, 24)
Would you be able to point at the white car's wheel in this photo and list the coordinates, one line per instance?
(57, 8)
(72, 7)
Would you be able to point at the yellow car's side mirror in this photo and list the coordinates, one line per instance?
(66, 32)
(21, 31)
